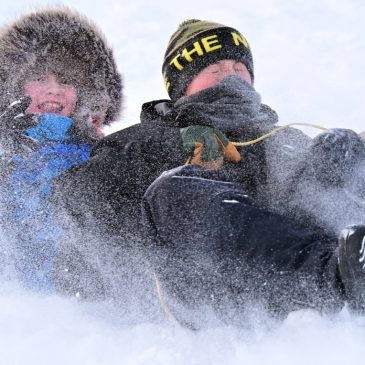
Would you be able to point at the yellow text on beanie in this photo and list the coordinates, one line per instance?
(197, 44)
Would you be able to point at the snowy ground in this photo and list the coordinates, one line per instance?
(53, 330)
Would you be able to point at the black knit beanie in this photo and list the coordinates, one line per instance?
(197, 44)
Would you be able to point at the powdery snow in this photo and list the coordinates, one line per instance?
(52, 330)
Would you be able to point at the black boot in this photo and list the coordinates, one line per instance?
(351, 265)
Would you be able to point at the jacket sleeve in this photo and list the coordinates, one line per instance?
(316, 190)
(119, 171)
(100, 199)
(330, 159)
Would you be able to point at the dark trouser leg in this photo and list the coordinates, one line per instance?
(210, 240)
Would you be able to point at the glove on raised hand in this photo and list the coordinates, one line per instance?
(334, 155)
(208, 146)
(13, 122)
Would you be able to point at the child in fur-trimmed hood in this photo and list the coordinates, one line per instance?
(59, 85)
(67, 44)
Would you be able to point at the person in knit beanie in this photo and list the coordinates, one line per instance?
(199, 55)
(59, 86)
(211, 226)
(198, 44)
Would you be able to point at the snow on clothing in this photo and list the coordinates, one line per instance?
(124, 165)
(27, 191)
(326, 190)
(62, 43)
(212, 244)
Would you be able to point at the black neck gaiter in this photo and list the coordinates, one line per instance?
(232, 105)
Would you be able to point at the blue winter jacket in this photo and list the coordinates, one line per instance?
(34, 231)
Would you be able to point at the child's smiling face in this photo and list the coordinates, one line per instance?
(50, 96)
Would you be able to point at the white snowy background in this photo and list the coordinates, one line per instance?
(309, 66)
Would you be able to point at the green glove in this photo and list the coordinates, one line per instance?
(207, 146)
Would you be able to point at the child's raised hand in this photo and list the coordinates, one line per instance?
(13, 121)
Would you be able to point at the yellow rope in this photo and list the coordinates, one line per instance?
(274, 131)
(163, 305)
(278, 129)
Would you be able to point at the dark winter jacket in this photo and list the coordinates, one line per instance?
(106, 205)
(122, 165)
